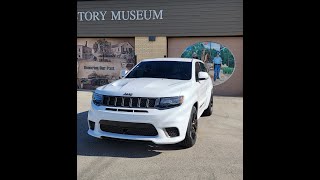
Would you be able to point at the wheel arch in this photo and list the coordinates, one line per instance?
(196, 106)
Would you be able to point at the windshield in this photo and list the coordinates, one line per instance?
(162, 69)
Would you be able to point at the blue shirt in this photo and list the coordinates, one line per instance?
(217, 60)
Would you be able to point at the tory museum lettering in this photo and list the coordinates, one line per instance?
(133, 15)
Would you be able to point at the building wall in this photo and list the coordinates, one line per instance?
(182, 24)
(179, 18)
(150, 49)
(234, 85)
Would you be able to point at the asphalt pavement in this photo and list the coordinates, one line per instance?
(217, 154)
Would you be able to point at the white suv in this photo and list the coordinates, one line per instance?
(159, 100)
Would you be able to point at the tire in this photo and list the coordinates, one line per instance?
(191, 134)
(209, 110)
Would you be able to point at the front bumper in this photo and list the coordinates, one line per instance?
(175, 117)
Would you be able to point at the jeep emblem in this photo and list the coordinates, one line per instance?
(127, 94)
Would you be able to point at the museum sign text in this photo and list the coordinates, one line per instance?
(132, 15)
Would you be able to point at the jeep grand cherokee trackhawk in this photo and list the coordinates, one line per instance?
(159, 100)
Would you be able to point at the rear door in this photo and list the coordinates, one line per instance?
(205, 84)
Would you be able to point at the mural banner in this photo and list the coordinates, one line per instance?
(103, 60)
(218, 59)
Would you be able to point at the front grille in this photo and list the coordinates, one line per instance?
(143, 102)
(111, 100)
(134, 102)
(152, 102)
(140, 129)
(126, 102)
(118, 101)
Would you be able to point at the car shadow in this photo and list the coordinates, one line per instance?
(91, 146)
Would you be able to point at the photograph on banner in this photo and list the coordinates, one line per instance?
(218, 59)
(101, 61)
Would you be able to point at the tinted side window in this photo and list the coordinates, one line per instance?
(203, 67)
(197, 70)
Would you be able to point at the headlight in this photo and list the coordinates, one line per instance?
(97, 98)
(169, 102)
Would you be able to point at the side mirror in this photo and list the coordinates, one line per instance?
(203, 76)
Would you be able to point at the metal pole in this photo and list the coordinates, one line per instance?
(210, 50)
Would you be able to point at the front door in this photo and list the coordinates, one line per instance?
(206, 89)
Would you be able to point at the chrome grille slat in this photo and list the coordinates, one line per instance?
(126, 102)
(122, 102)
(130, 102)
(134, 102)
(139, 100)
(108, 100)
(119, 101)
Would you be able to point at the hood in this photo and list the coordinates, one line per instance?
(145, 87)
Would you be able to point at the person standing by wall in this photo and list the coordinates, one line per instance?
(217, 61)
(194, 55)
(123, 70)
